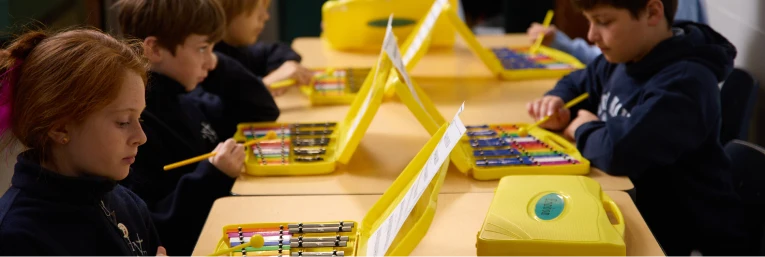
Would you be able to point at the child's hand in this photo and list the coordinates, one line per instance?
(290, 70)
(583, 116)
(229, 158)
(550, 106)
(536, 28)
(161, 251)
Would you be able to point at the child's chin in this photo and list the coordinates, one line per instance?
(123, 173)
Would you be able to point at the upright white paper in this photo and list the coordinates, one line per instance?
(380, 240)
(391, 47)
(425, 29)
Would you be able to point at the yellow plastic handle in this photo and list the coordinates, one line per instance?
(607, 201)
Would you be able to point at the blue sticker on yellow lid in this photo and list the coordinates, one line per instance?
(549, 207)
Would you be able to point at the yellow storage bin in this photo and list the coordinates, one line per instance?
(401, 217)
(551, 215)
(314, 147)
(359, 25)
(339, 87)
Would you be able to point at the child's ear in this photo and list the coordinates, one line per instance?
(655, 11)
(151, 49)
(59, 134)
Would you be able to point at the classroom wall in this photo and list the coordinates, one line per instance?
(743, 23)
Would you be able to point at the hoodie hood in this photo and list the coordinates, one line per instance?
(697, 43)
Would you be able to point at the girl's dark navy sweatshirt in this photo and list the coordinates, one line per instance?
(260, 58)
(660, 124)
(180, 125)
(44, 213)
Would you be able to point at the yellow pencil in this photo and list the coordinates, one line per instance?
(283, 83)
(290, 82)
(255, 241)
(541, 36)
(524, 130)
(270, 135)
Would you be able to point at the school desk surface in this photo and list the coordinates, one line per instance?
(395, 136)
(458, 61)
(452, 233)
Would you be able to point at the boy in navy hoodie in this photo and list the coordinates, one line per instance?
(183, 120)
(273, 62)
(654, 115)
(73, 99)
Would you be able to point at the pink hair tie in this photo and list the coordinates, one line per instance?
(7, 83)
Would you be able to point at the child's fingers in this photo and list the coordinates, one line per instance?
(161, 251)
(217, 150)
(535, 109)
(546, 107)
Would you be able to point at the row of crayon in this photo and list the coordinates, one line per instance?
(503, 146)
(294, 240)
(309, 144)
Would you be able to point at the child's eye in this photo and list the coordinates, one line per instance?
(602, 23)
(123, 124)
(203, 49)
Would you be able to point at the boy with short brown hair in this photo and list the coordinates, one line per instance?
(653, 114)
(183, 120)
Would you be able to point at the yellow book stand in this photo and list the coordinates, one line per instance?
(392, 227)
(335, 86)
(551, 215)
(314, 148)
(509, 63)
(359, 25)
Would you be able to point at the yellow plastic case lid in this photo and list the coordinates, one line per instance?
(394, 201)
(416, 44)
(551, 215)
(362, 110)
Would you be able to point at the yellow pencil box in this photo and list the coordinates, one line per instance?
(516, 63)
(551, 215)
(315, 147)
(338, 87)
(490, 152)
(359, 25)
(349, 238)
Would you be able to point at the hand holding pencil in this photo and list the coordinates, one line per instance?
(551, 112)
(227, 156)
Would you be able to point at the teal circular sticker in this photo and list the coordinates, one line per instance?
(550, 206)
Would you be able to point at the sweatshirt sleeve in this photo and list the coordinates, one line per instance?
(671, 120)
(588, 80)
(243, 95)
(578, 47)
(275, 54)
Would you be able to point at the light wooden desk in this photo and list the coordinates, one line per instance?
(453, 231)
(458, 61)
(395, 137)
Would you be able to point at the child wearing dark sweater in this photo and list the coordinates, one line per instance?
(653, 115)
(81, 139)
(183, 119)
(273, 62)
